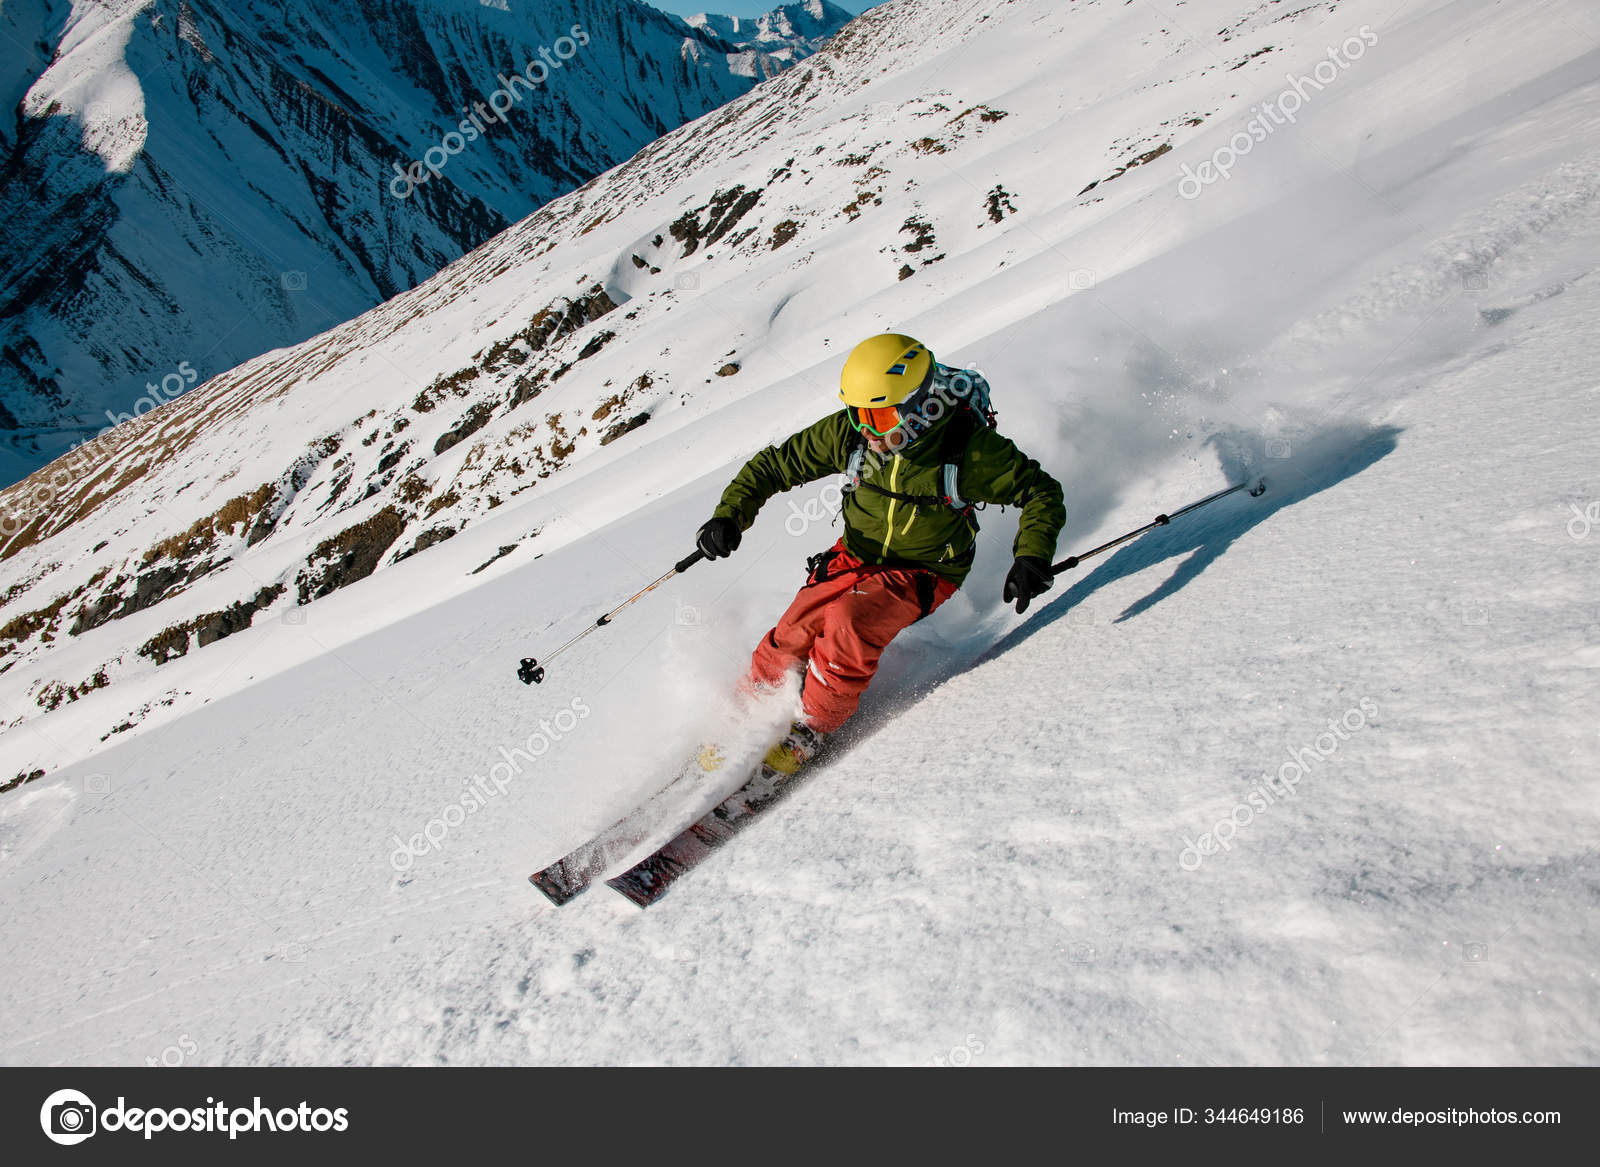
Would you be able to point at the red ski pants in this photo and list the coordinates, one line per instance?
(838, 627)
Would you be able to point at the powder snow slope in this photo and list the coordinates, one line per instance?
(1380, 675)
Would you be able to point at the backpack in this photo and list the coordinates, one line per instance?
(967, 393)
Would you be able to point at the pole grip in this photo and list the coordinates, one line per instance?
(689, 561)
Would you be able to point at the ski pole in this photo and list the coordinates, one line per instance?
(1072, 561)
(531, 672)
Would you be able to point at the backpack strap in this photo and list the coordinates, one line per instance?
(853, 462)
(962, 426)
(954, 441)
(952, 496)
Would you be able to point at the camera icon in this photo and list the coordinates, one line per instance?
(1081, 952)
(687, 281)
(293, 954)
(68, 1117)
(1474, 953)
(295, 615)
(96, 111)
(1081, 279)
(1475, 281)
(1474, 615)
(293, 281)
(97, 784)
(687, 615)
(72, 1118)
(1278, 448)
(1080, 616)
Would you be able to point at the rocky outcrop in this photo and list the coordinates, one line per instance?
(350, 555)
(173, 642)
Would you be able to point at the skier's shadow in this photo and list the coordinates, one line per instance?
(1316, 461)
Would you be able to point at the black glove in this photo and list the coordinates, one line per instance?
(719, 538)
(1029, 576)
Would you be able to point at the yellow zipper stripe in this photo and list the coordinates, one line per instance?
(909, 521)
(888, 526)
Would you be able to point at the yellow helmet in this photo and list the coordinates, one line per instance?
(884, 370)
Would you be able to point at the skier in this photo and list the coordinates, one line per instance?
(916, 440)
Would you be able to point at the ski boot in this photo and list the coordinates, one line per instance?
(783, 760)
(797, 748)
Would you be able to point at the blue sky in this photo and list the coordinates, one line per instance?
(746, 7)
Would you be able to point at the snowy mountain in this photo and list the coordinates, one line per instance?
(256, 642)
(194, 183)
(787, 33)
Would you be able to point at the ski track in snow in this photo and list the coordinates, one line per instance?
(992, 858)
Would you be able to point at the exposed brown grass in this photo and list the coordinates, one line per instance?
(23, 626)
(448, 499)
(54, 695)
(201, 535)
(412, 490)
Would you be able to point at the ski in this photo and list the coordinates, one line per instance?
(648, 880)
(570, 876)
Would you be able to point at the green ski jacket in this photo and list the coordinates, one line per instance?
(885, 531)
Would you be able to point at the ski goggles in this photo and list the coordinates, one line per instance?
(882, 421)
